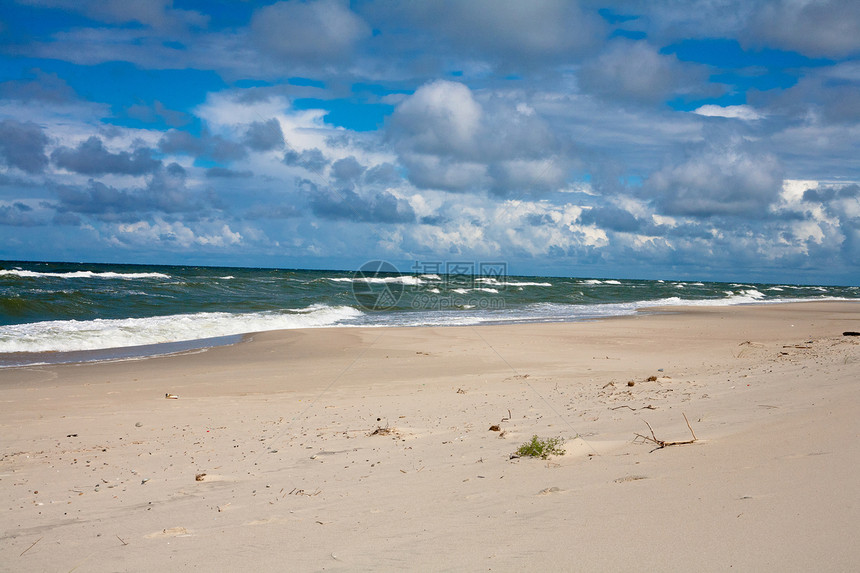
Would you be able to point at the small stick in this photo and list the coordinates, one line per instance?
(120, 538)
(31, 547)
(689, 426)
(663, 443)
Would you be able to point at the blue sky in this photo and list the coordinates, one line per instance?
(633, 139)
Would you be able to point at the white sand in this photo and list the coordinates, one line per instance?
(97, 468)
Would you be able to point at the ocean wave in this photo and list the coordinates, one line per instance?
(76, 335)
(475, 289)
(402, 279)
(507, 283)
(469, 315)
(83, 275)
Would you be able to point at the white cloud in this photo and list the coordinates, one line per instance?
(499, 31)
(829, 28)
(743, 112)
(177, 233)
(318, 31)
(734, 179)
(440, 117)
(636, 71)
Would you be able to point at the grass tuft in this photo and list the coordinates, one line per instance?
(541, 448)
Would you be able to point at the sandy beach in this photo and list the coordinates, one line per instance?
(357, 449)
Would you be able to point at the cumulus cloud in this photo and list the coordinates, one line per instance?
(22, 145)
(384, 174)
(829, 94)
(311, 159)
(264, 135)
(743, 112)
(371, 206)
(427, 171)
(165, 192)
(18, 215)
(158, 112)
(733, 179)
(206, 234)
(43, 87)
(224, 173)
(449, 140)
(158, 14)
(611, 218)
(207, 146)
(637, 72)
(829, 193)
(502, 31)
(821, 28)
(837, 212)
(441, 117)
(91, 157)
(319, 31)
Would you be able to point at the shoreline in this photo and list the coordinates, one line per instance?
(370, 448)
(147, 351)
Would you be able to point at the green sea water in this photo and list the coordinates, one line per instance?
(61, 307)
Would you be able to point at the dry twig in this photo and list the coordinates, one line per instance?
(31, 547)
(663, 443)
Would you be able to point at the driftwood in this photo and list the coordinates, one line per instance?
(663, 443)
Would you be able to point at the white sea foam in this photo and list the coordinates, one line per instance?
(402, 279)
(83, 275)
(73, 335)
(475, 289)
(504, 283)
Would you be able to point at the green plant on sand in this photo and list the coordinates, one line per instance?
(541, 448)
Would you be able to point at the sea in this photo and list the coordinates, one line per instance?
(70, 312)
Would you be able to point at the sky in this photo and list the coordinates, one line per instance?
(673, 139)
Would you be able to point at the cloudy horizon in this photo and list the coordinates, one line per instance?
(630, 139)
